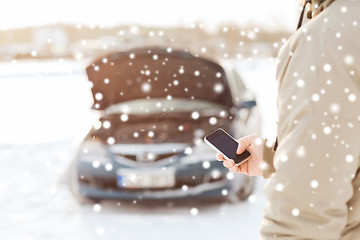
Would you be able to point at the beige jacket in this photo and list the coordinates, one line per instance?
(314, 191)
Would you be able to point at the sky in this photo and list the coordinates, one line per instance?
(273, 14)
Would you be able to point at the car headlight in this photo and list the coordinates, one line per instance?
(94, 152)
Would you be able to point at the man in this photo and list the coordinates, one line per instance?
(314, 182)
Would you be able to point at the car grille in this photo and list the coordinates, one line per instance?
(156, 157)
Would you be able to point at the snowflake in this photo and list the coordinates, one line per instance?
(111, 140)
(212, 120)
(349, 158)
(97, 207)
(98, 96)
(300, 152)
(327, 67)
(224, 192)
(295, 212)
(334, 108)
(95, 164)
(206, 164)
(352, 97)
(314, 184)
(97, 124)
(146, 87)
(327, 130)
(231, 176)
(124, 117)
(300, 83)
(108, 167)
(151, 134)
(223, 114)
(215, 174)
(315, 97)
(188, 150)
(264, 166)
(218, 88)
(279, 187)
(284, 158)
(33, 53)
(252, 199)
(195, 115)
(106, 124)
(194, 211)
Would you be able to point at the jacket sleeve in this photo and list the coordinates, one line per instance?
(312, 184)
(268, 158)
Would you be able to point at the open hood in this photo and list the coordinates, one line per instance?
(156, 73)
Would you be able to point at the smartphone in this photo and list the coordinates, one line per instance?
(223, 143)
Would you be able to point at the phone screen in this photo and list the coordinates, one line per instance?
(226, 145)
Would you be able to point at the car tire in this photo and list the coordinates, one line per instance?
(74, 187)
(242, 192)
(247, 189)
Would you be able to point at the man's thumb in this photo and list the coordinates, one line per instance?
(241, 146)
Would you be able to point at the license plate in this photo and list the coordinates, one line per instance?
(146, 178)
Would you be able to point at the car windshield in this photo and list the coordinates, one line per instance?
(146, 106)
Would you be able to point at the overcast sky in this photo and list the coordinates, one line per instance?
(270, 13)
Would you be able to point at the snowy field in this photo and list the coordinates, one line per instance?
(45, 113)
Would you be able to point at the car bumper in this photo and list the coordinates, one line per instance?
(191, 181)
(208, 190)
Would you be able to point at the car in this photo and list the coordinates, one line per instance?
(156, 105)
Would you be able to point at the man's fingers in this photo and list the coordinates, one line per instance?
(228, 163)
(239, 169)
(220, 157)
(243, 143)
(234, 169)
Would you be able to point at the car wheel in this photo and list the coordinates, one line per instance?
(243, 191)
(74, 187)
(247, 189)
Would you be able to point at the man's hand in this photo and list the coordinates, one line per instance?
(254, 144)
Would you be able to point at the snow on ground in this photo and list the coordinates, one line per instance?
(43, 119)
